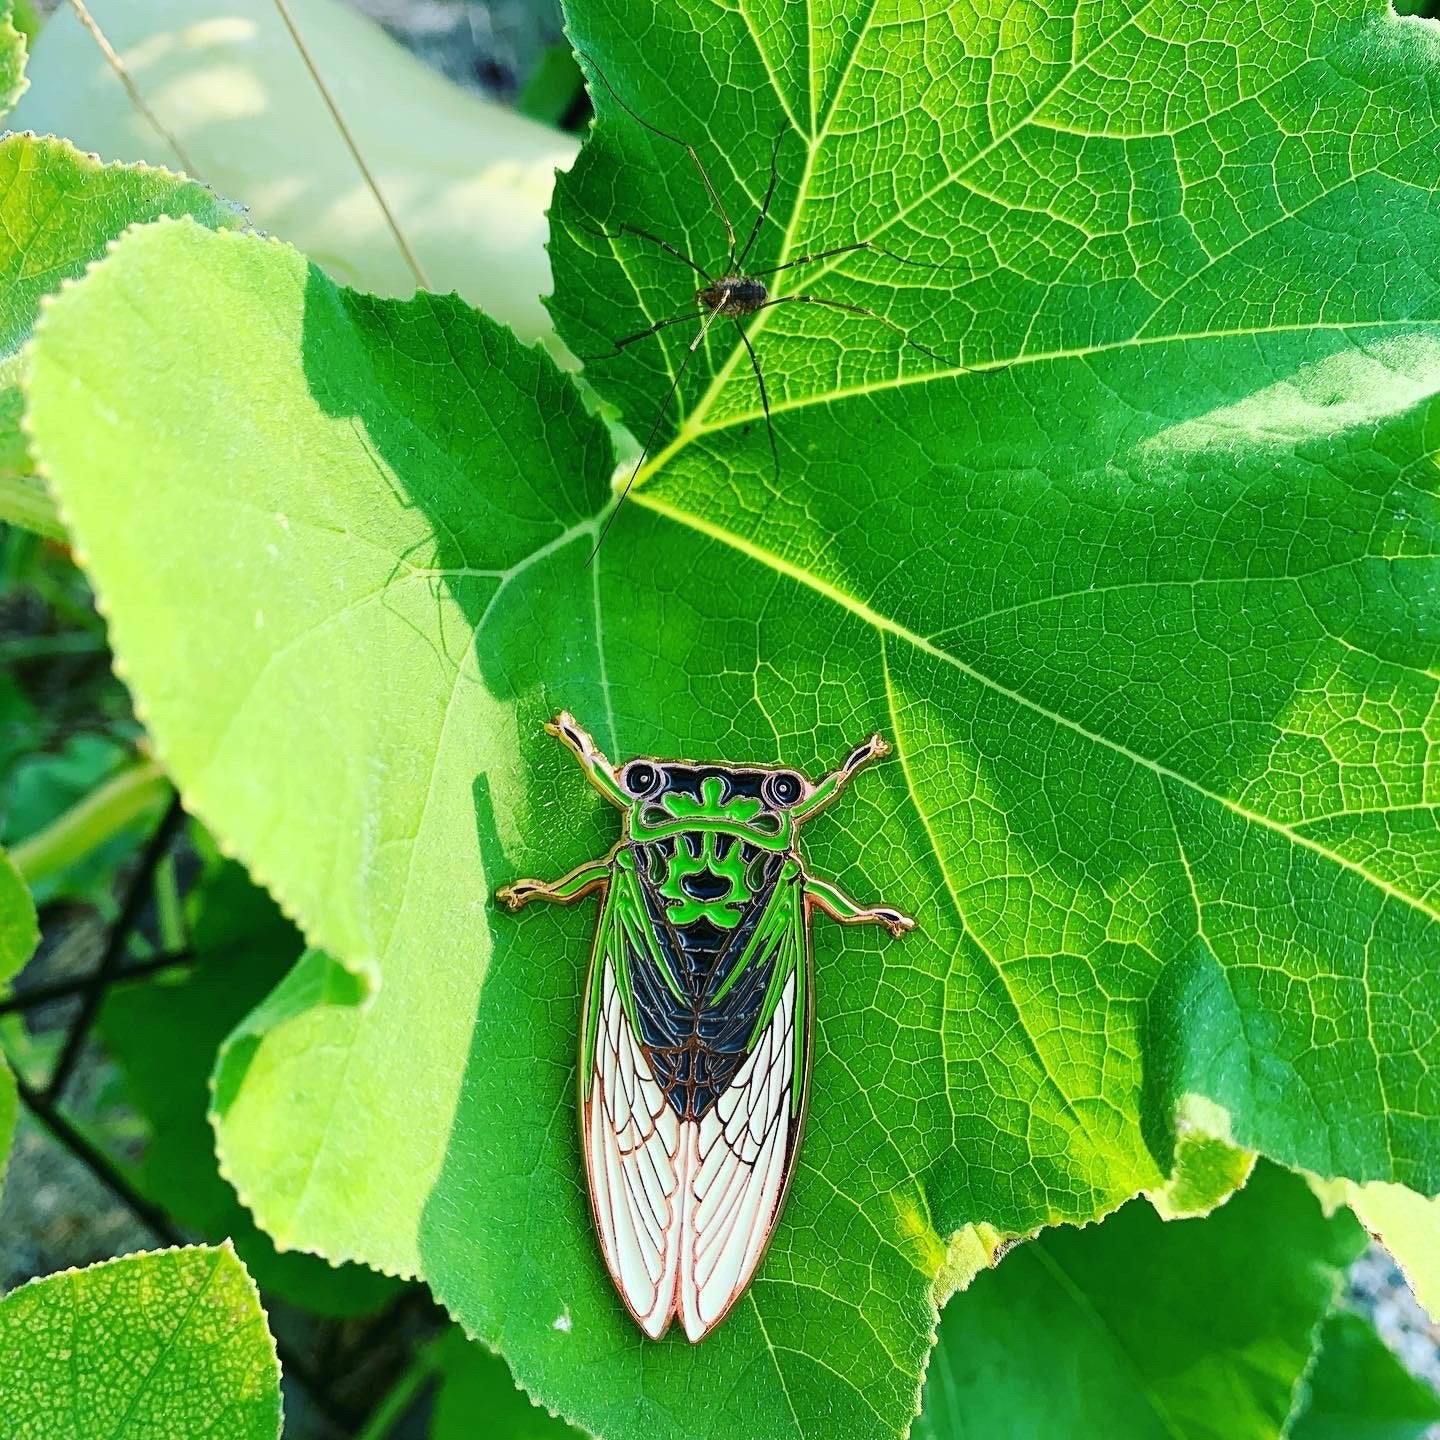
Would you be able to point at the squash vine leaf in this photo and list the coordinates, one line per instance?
(1141, 586)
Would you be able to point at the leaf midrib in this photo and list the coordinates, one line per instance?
(693, 430)
(813, 145)
(886, 624)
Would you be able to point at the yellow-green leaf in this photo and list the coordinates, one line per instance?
(12, 58)
(59, 209)
(172, 1343)
(1408, 1226)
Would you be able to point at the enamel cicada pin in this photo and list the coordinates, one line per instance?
(695, 1039)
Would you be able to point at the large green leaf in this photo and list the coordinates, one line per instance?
(1146, 1329)
(405, 691)
(172, 1343)
(59, 209)
(1148, 611)
(1146, 587)
(467, 181)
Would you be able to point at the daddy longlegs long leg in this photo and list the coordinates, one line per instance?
(735, 294)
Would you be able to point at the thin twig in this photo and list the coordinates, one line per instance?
(34, 996)
(97, 1163)
(136, 99)
(137, 892)
(325, 95)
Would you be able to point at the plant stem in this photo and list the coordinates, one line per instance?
(170, 908)
(400, 1397)
(42, 647)
(91, 822)
(37, 995)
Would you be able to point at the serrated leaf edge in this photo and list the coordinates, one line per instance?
(219, 1249)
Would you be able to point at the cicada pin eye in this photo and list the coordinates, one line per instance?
(640, 779)
(782, 789)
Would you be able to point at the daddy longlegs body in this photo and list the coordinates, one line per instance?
(735, 294)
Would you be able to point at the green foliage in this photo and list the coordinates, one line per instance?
(164, 1037)
(468, 181)
(554, 88)
(172, 1343)
(12, 57)
(73, 814)
(59, 209)
(9, 1113)
(1207, 1171)
(1141, 591)
(19, 935)
(286, 1046)
(1145, 1329)
(19, 930)
(1359, 1391)
(1137, 536)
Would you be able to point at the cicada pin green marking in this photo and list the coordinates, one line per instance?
(695, 1037)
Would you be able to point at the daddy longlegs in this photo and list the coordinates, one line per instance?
(733, 294)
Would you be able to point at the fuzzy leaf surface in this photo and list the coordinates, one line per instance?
(58, 211)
